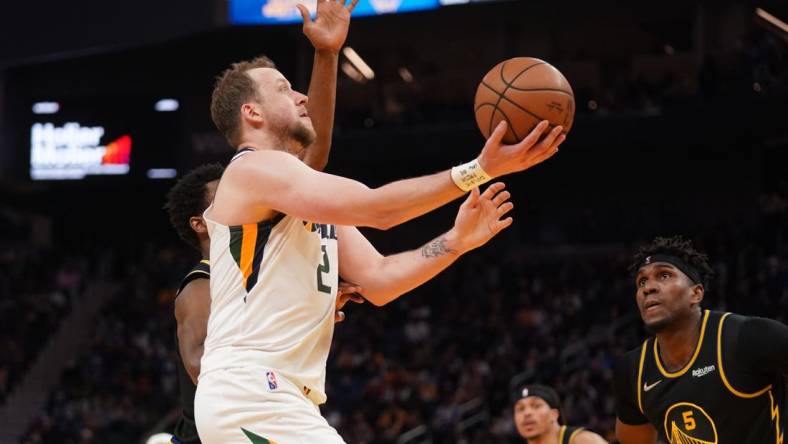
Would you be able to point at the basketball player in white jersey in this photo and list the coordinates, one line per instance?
(187, 201)
(281, 233)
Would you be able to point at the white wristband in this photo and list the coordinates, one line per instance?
(469, 175)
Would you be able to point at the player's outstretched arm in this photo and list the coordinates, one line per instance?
(294, 189)
(327, 33)
(385, 278)
(192, 308)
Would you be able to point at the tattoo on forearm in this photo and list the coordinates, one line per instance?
(436, 248)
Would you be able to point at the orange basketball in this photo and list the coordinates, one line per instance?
(523, 91)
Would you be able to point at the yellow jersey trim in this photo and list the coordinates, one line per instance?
(561, 433)
(668, 374)
(775, 410)
(722, 370)
(572, 436)
(205, 261)
(640, 375)
(197, 271)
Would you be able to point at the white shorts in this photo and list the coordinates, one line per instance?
(255, 405)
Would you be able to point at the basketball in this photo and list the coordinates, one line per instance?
(523, 91)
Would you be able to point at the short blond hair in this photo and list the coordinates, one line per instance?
(233, 88)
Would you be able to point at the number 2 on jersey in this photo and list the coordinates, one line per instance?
(325, 267)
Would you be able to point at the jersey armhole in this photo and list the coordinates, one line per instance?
(572, 436)
(723, 377)
(644, 348)
(192, 276)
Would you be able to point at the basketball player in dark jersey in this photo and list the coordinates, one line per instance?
(185, 204)
(537, 416)
(189, 198)
(706, 377)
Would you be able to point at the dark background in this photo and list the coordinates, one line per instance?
(676, 113)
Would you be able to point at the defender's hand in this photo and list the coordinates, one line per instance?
(479, 218)
(497, 159)
(346, 292)
(329, 29)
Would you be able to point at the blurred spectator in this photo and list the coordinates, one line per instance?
(37, 288)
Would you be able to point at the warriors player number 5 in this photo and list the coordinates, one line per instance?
(689, 423)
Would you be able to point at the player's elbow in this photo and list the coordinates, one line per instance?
(380, 214)
(369, 215)
(192, 363)
(378, 300)
(384, 221)
(193, 369)
(383, 218)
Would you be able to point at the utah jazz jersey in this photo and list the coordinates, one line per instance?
(566, 434)
(185, 431)
(712, 400)
(273, 292)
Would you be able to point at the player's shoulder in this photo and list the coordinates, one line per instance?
(737, 319)
(630, 359)
(194, 292)
(748, 328)
(585, 436)
(204, 266)
(202, 270)
(263, 157)
(268, 166)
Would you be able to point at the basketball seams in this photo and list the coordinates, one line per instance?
(503, 96)
(483, 105)
(518, 106)
(508, 85)
(492, 113)
(509, 125)
(511, 84)
(496, 108)
(500, 96)
(558, 90)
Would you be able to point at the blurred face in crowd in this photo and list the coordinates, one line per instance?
(534, 417)
(281, 110)
(665, 295)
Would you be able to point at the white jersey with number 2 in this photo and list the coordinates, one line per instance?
(273, 290)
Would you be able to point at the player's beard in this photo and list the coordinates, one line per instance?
(297, 132)
(302, 134)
